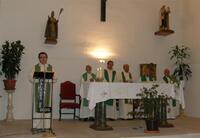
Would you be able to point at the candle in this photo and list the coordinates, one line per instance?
(100, 73)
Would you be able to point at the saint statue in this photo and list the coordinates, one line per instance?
(51, 31)
(164, 16)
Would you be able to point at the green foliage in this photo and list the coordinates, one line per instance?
(150, 103)
(11, 54)
(180, 55)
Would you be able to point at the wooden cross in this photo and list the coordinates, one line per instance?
(103, 10)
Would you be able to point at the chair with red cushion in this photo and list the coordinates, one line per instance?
(68, 98)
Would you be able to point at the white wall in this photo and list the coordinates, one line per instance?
(128, 33)
(191, 33)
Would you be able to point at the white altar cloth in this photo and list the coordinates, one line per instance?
(97, 92)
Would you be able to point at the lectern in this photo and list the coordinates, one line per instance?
(42, 94)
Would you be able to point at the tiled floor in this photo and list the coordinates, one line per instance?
(80, 129)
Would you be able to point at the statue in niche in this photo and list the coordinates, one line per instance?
(51, 31)
(164, 16)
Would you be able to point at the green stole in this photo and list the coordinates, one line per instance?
(85, 78)
(165, 79)
(124, 80)
(123, 76)
(106, 76)
(37, 90)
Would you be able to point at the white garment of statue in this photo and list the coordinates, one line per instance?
(125, 108)
(85, 112)
(111, 110)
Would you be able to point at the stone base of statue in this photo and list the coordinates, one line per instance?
(51, 41)
(100, 118)
(164, 32)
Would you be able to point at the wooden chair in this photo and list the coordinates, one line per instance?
(68, 99)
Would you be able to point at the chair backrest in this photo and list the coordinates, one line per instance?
(67, 90)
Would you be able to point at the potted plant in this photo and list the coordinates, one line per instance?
(152, 108)
(149, 107)
(11, 54)
(180, 55)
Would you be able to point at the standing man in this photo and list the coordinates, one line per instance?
(173, 108)
(42, 93)
(110, 76)
(126, 76)
(85, 112)
(169, 78)
(126, 105)
(88, 76)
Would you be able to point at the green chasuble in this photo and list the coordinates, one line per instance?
(106, 76)
(38, 91)
(85, 78)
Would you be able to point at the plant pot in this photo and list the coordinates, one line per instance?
(9, 84)
(152, 125)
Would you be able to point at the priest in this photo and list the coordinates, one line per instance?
(126, 105)
(110, 76)
(85, 112)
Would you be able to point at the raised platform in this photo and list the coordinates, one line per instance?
(183, 128)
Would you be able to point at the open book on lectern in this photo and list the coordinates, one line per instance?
(43, 75)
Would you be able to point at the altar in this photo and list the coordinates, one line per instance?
(97, 92)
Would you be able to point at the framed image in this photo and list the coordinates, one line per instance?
(148, 69)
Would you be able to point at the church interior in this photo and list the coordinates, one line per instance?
(93, 32)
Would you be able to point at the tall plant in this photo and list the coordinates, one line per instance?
(180, 56)
(11, 54)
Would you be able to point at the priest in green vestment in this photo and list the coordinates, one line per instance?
(169, 78)
(174, 105)
(42, 89)
(88, 76)
(110, 76)
(126, 75)
(125, 105)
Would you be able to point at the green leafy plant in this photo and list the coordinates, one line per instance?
(150, 103)
(180, 55)
(152, 107)
(11, 54)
